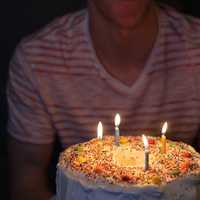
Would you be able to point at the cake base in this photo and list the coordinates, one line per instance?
(71, 186)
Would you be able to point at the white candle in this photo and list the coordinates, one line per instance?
(117, 131)
(163, 138)
(146, 152)
(100, 131)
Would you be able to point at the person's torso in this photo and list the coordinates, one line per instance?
(78, 92)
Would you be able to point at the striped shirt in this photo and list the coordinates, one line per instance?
(58, 86)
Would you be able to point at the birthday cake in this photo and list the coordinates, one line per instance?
(100, 169)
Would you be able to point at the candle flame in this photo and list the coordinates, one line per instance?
(145, 141)
(100, 131)
(117, 120)
(164, 128)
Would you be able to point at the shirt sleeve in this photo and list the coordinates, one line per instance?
(29, 120)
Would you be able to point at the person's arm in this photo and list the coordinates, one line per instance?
(30, 128)
(28, 165)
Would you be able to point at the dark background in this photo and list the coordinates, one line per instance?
(19, 18)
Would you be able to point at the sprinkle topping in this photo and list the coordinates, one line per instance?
(101, 159)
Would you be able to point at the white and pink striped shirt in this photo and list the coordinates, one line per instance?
(58, 86)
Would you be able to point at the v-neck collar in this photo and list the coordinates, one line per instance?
(114, 82)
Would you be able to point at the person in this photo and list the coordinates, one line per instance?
(139, 58)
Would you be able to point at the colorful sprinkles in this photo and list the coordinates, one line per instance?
(102, 160)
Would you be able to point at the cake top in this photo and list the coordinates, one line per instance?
(102, 160)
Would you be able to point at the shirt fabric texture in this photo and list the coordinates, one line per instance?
(58, 86)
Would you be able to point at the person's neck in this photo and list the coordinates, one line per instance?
(116, 47)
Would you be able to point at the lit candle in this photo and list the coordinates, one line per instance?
(117, 132)
(146, 152)
(163, 138)
(100, 131)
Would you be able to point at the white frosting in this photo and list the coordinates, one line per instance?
(125, 157)
(72, 186)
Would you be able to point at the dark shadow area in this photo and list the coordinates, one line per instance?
(20, 18)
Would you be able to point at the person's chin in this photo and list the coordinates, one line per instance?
(126, 17)
(128, 13)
